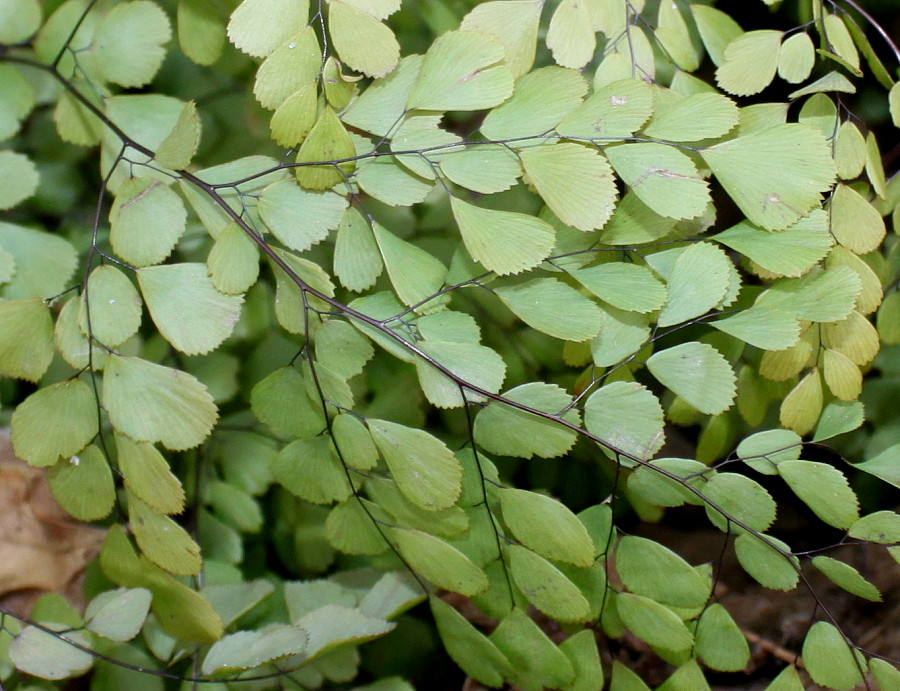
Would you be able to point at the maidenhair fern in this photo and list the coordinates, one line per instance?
(345, 301)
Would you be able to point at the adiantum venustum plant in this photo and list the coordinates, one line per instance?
(333, 301)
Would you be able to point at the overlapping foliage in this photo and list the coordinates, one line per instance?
(506, 246)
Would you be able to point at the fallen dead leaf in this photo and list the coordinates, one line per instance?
(42, 548)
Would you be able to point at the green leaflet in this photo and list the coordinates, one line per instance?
(353, 442)
(505, 430)
(74, 122)
(720, 642)
(828, 659)
(716, 28)
(295, 276)
(148, 477)
(654, 487)
(20, 176)
(787, 680)
(840, 41)
(483, 169)
(233, 261)
(71, 343)
(823, 489)
(149, 402)
(696, 117)
(883, 465)
(621, 334)
(462, 71)
(258, 27)
(363, 42)
(570, 36)
(142, 204)
(675, 38)
(83, 485)
(886, 675)
(505, 242)
(357, 259)
(341, 348)
(297, 217)
(394, 593)
(281, 401)
(309, 469)
(546, 526)
(796, 58)
(663, 178)
(687, 676)
(801, 408)
(653, 623)
(837, 418)
(26, 338)
(598, 520)
(775, 176)
(546, 587)
(129, 42)
(425, 470)
(540, 100)
(689, 298)
(649, 569)
(43, 263)
(444, 523)
(178, 148)
(741, 498)
(871, 292)
(415, 274)
(623, 679)
(180, 611)
(881, 527)
(581, 649)
(749, 62)
(627, 417)
(187, 309)
(381, 106)
(48, 657)
(763, 451)
(19, 20)
(162, 540)
(251, 649)
(469, 648)
(698, 373)
(819, 296)
(536, 662)
(439, 562)
(334, 625)
(324, 154)
(71, 405)
(118, 614)
(388, 181)
(201, 30)
(763, 327)
(759, 558)
(471, 362)
(575, 181)
(514, 24)
(855, 223)
(295, 116)
(349, 529)
(115, 307)
(554, 308)
(846, 577)
(425, 143)
(614, 111)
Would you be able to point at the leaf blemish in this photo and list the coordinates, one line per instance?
(152, 186)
